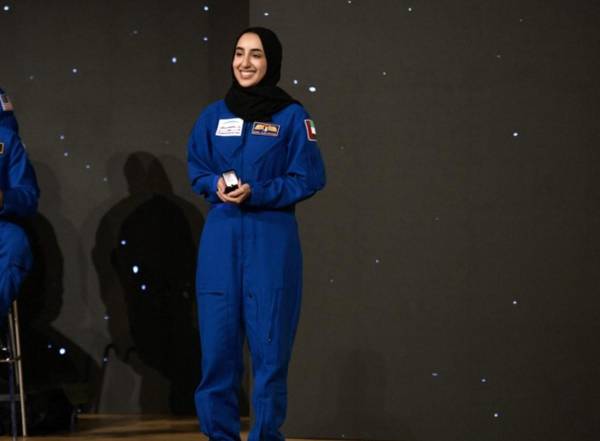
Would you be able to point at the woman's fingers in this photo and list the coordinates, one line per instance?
(237, 196)
(220, 189)
(221, 185)
(222, 196)
(235, 193)
(245, 191)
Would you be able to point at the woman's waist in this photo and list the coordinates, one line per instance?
(246, 209)
(234, 215)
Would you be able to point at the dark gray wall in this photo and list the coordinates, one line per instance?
(451, 266)
(436, 219)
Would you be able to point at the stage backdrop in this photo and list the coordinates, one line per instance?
(106, 94)
(451, 264)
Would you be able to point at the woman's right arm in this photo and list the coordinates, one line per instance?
(204, 180)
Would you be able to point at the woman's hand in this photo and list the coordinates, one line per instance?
(236, 196)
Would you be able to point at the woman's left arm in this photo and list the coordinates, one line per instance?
(305, 173)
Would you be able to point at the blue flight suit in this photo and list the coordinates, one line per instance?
(249, 275)
(19, 186)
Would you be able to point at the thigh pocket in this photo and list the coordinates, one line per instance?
(281, 326)
(210, 292)
(214, 319)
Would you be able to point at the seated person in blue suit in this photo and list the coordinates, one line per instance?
(19, 195)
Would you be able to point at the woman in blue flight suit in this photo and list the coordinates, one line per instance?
(18, 198)
(249, 276)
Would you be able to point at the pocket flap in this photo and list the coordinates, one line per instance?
(207, 290)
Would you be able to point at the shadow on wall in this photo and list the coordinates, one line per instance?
(145, 257)
(51, 360)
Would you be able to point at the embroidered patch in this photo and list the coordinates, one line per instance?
(267, 129)
(230, 127)
(6, 104)
(311, 130)
(1, 148)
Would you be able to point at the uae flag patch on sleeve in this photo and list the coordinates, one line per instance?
(311, 130)
(6, 104)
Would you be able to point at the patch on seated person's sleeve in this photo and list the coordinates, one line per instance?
(1, 148)
(311, 130)
(6, 104)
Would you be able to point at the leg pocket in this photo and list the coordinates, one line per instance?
(214, 324)
(210, 292)
(281, 326)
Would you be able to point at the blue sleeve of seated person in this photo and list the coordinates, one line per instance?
(17, 178)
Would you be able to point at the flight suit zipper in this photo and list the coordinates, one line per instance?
(242, 178)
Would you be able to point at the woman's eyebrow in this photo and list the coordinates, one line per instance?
(251, 50)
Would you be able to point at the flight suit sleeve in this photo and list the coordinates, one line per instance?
(20, 197)
(305, 173)
(203, 179)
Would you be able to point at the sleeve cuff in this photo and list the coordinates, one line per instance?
(214, 184)
(256, 193)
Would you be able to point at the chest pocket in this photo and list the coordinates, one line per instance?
(268, 155)
(226, 148)
(263, 149)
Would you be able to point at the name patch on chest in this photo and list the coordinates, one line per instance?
(230, 127)
(265, 129)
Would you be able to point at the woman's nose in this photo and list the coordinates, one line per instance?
(246, 61)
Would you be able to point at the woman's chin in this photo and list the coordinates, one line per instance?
(247, 82)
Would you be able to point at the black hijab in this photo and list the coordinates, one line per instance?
(261, 101)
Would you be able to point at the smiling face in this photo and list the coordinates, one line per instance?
(249, 60)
